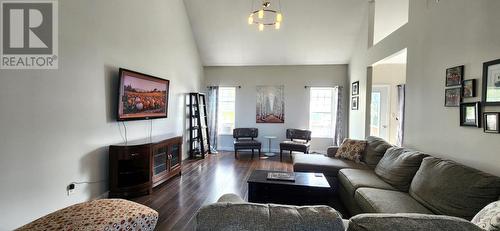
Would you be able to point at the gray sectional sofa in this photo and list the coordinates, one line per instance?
(231, 213)
(398, 180)
(330, 166)
(393, 188)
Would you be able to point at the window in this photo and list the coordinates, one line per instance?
(226, 101)
(323, 111)
(375, 114)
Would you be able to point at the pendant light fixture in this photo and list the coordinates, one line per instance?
(267, 13)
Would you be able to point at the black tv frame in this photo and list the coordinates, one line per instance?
(120, 76)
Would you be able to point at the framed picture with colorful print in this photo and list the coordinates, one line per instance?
(454, 76)
(469, 88)
(491, 122)
(491, 83)
(470, 114)
(452, 97)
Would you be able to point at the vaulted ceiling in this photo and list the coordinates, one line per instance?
(312, 32)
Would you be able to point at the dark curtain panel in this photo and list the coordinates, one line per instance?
(339, 134)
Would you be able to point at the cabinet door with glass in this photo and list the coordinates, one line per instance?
(160, 161)
(175, 150)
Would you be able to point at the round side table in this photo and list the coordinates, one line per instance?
(269, 153)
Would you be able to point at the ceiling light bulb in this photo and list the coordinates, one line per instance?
(250, 20)
(261, 13)
(277, 25)
(279, 17)
(261, 27)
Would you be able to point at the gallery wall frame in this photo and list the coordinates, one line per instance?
(469, 88)
(452, 97)
(355, 88)
(491, 122)
(454, 76)
(470, 114)
(491, 83)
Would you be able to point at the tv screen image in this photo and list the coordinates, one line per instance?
(142, 96)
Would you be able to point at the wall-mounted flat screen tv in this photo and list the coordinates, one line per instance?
(142, 96)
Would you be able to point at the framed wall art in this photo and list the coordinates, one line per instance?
(491, 83)
(469, 88)
(470, 114)
(270, 104)
(355, 103)
(355, 88)
(454, 76)
(452, 97)
(491, 120)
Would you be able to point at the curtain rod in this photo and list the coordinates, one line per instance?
(321, 86)
(239, 86)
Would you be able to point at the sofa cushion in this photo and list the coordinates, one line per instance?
(322, 164)
(409, 222)
(246, 143)
(398, 166)
(261, 217)
(351, 150)
(372, 200)
(489, 217)
(449, 188)
(375, 150)
(295, 145)
(352, 179)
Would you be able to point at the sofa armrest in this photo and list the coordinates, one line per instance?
(230, 198)
(409, 222)
(331, 151)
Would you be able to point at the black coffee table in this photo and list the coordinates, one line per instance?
(308, 189)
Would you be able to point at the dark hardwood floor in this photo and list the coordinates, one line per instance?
(203, 182)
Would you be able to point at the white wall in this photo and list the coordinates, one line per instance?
(391, 75)
(294, 78)
(437, 39)
(56, 125)
(389, 16)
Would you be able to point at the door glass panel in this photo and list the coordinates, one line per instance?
(375, 114)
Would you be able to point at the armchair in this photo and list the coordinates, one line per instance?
(299, 141)
(244, 139)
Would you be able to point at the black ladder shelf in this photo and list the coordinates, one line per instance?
(199, 141)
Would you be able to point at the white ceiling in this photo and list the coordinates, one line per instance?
(312, 32)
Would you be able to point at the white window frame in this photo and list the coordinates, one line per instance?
(220, 100)
(332, 112)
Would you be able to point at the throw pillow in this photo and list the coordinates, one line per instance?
(398, 167)
(351, 150)
(489, 217)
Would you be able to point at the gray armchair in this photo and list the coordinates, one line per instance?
(299, 141)
(245, 140)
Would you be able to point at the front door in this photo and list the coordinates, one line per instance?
(379, 121)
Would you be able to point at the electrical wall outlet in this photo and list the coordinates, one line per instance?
(70, 189)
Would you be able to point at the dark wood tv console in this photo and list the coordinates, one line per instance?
(135, 167)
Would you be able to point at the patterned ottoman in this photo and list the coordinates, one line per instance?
(106, 214)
